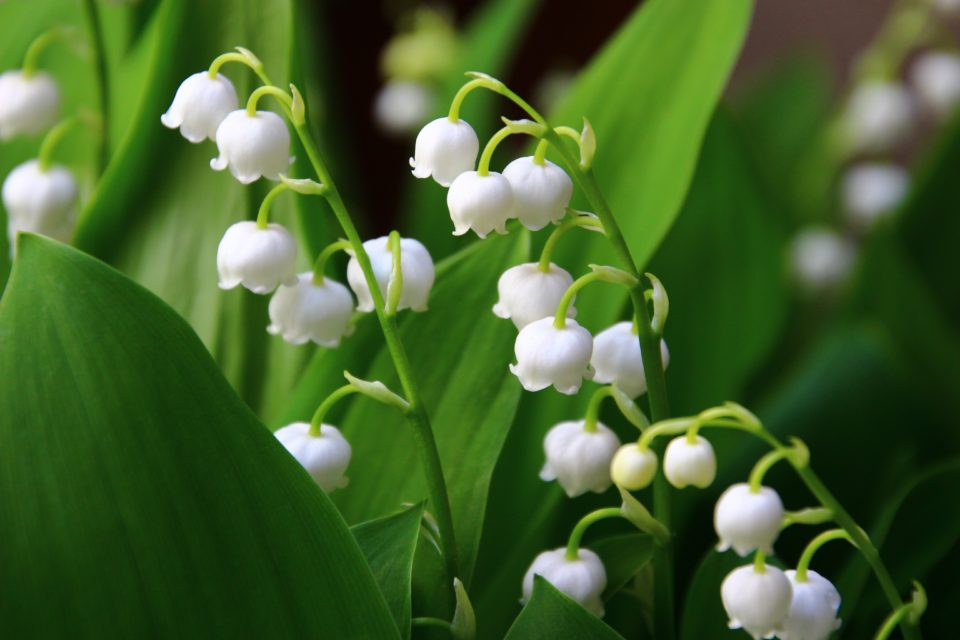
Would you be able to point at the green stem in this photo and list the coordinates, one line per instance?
(897, 617)
(593, 408)
(255, 66)
(325, 406)
(454, 113)
(560, 319)
(268, 90)
(540, 155)
(321, 262)
(31, 59)
(759, 562)
(426, 621)
(417, 415)
(483, 167)
(395, 290)
(263, 215)
(827, 536)
(573, 543)
(52, 139)
(764, 464)
(562, 228)
(103, 79)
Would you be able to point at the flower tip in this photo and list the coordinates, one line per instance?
(218, 164)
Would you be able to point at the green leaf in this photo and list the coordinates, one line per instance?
(623, 556)
(551, 614)
(703, 614)
(388, 544)
(138, 496)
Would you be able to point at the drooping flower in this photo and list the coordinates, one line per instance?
(820, 258)
(258, 258)
(633, 467)
(479, 203)
(583, 578)
(813, 608)
(579, 459)
(756, 601)
(416, 269)
(936, 77)
(617, 359)
(528, 293)
(445, 149)
(402, 105)
(308, 310)
(871, 190)
(541, 191)
(28, 104)
(200, 105)
(325, 456)
(879, 115)
(690, 463)
(39, 201)
(548, 355)
(252, 146)
(748, 520)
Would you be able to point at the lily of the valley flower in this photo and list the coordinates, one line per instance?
(445, 149)
(756, 601)
(633, 467)
(936, 77)
(325, 456)
(39, 201)
(28, 104)
(308, 310)
(252, 146)
(416, 270)
(813, 608)
(879, 115)
(200, 105)
(820, 258)
(746, 520)
(582, 578)
(579, 459)
(403, 105)
(541, 191)
(871, 190)
(688, 463)
(549, 355)
(528, 293)
(617, 359)
(481, 203)
(258, 258)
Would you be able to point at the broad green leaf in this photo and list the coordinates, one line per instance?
(138, 495)
(703, 615)
(551, 614)
(388, 544)
(623, 556)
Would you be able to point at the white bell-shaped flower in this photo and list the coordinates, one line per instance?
(253, 146)
(27, 104)
(324, 456)
(527, 293)
(871, 190)
(813, 608)
(547, 355)
(583, 579)
(633, 467)
(39, 201)
(480, 203)
(757, 602)
(260, 259)
(403, 105)
(747, 520)
(688, 463)
(936, 78)
(820, 258)
(416, 269)
(617, 360)
(444, 150)
(579, 459)
(879, 116)
(308, 310)
(541, 192)
(200, 105)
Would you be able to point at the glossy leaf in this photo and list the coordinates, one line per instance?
(138, 495)
(623, 556)
(551, 614)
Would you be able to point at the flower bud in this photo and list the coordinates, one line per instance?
(253, 146)
(528, 294)
(690, 463)
(820, 258)
(936, 78)
(39, 201)
(617, 359)
(813, 608)
(583, 579)
(757, 602)
(578, 459)
(871, 190)
(402, 105)
(27, 104)
(416, 268)
(259, 259)
(633, 468)
(200, 105)
(324, 456)
(480, 203)
(879, 116)
(547, 355)
(746, 520)
(310, 311)
(444, 150)
(541, 191)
